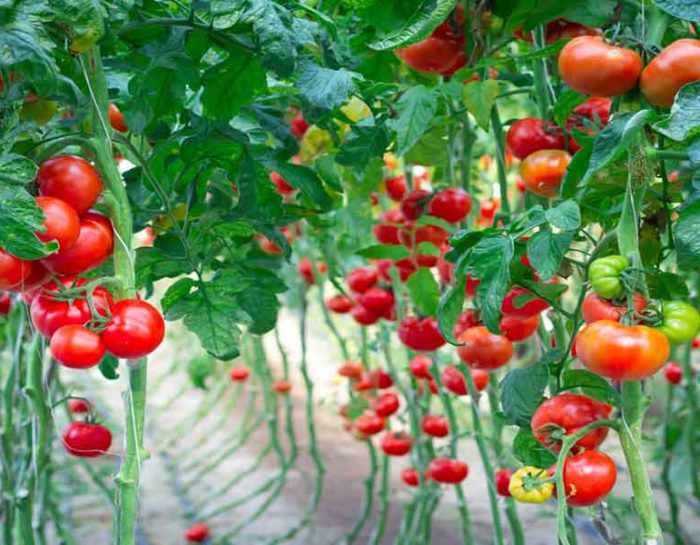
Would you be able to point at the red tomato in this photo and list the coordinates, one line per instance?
(78, 406)
(411, 236)
(396, 443)
(622, 352)
(386, 404)
(369, 424)
(410, 476)
(696, 342)
(377, 300)
(420, 366)
(86, 440)
(298, 126)
(435, 426)
(531, 134)
(395, 187)
(447, 470)
(361, 279)
(568, 413)
(488, 208)
(519, 329)
(282, 386)
(452, 204)
(595, 108)
(339, 304)
(420, 335)
(116, 119)
(588, 477)
(306, 270)
(673, 372)
(71, 179)
(543, 171)
(61, 222)
(380, 379)
(513, 304)
(590, 66)
(5, 304)
(405, 267)
(560, 29)
(38, 276)
(414, 203)
(483, 349)
(453, 380)
(93, 247)
(197, 533)
(239, 374)
(13, 270)
(596, 308)
(363, 316)
(466, 320)
(502, 478)
(135, 329)
(77, 347)
(676, 65)
(282, 187)
(387, 232)
(351, 369)
(434, 55)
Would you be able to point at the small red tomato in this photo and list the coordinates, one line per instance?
(363, 316)
(414, 203)
(90, 250)
(5, 304)
(282, 187)
(369, 424)
(61, 222)
(673, 372)
(77, 347)
(361, 279)
(420, 335)
(116, 119)
(488, 208)
(521, 303)
(453, 380)
(339, 304)
(395, 187)
(696, 342)
(134, 330)
(380, 379)
(78, 406)
(531, 134)
(466, 320)
(282, 386)
(588, 477)
(387, 230)
(13, 271)
(306, 270)
(239, 374)
(543, 171)
(447, 471)
(197, 533)
(298, 126)
(396, 443)
(86, 440)
(410, 476)
(71, 179)
(502, 478)
(377, 300)
(452, 205)
(420, 366)
(435, 426)
(519, 329)
(434, 55)
(386, 404)
(351, 369)
(411, 235)
(483, 349)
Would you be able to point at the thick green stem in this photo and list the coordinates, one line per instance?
(692, 422)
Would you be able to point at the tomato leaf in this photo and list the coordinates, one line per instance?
(522, 391)
(365, 141)
(684, 119)
(308, 181)
(272, 29)
(450, 307)
(687, 238)
(231, 84)
(592, 385)
(566, 102)
(565, 216)
(546, 250)
(384, 251)
(479, 98)
(416, 111)
(424, 291)
(683, 9)
(324, 87)
(529, 451)
(489, 260)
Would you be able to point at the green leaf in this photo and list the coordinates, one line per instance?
(490, 259)
(384, 251)
(592, 385)
(272, 30)
(324, 87)
(565, 215)
(108, 367)
(231, 84)
(199, 369)
(666, 285)
(479, 98)
(365, 141)
(83, 17)
(431, 149)
(546, 250)
(687, 237)
(566, 102)
(529, 451)
(306, 179)
(684, 120)
(421, 24)
(25, 47)
(449, 309)
(522, 391)
(424, 291)
(683, 9)
(416, 110)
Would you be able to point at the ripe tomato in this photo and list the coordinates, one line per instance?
(282, 386)
(414, 203)
(351, 369)
(282, 187)
(420, 366)
(595, 308)
(369, 424)
(387, 231)
(420, 335)
(86, 440)
(483, 349)
(298, 126)
(488, 208)
(396, 443)
(452, 204)
(197, 533)
(134, 330)
(502, 481)
(116, 119)
(5, 304)
(380, 379)
(588, 477)
(377, 300)
(466, 320)
(410, 476)
(61, 222)
(363, 316)
(339, 304)
(362, 278)
(71, 179)
(91, 249)
(595, 108)
(543, 171)
(386, 404)
(531, 134)
(673, 373)
(567, 413)
(406, 268)
(239, 374)
(434, 55)
(447, 470)
(13, 270)
(513, 304)
(561, 29)
(676, 65)
(78, 406)
(306, 270)
(29, 287)
(453, 380)
(519, 329)
(77, 347)
(622, 352)
(411, 236)
(395, 187)
(590, 66)
(435, 426)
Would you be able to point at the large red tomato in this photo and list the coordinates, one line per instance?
(676, 65)
(588, 477)
(135, 329)
(590, 66)
(71, 179)
(567, 413)
(77, 347)
(543, 171)
(452, 204)
(420, 335)
(61, 222)
(86, 440)
(93, 247)
(596, 308)
(483, 349)
(13, 270)
(622, 352)
(377, 300)
(531, 134)
(447, 470)
(369, 424)
(434, 55)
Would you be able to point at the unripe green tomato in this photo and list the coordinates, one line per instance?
(39, 110)
(681, 321)
(604, 274)
(85, 41)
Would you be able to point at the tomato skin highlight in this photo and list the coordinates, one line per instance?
(483, 349)
(590, 66)
(588, 478)
(447, 470)
(531, 134)
(71, 179)
(86, 440)
(61, 222)
(543, 171)
(134, 330)
(676, 65)
(622, 352)
(77, 347)
(91, 249)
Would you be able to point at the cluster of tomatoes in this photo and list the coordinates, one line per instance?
(85, 438)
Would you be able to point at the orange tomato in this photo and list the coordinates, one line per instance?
(543, 171)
